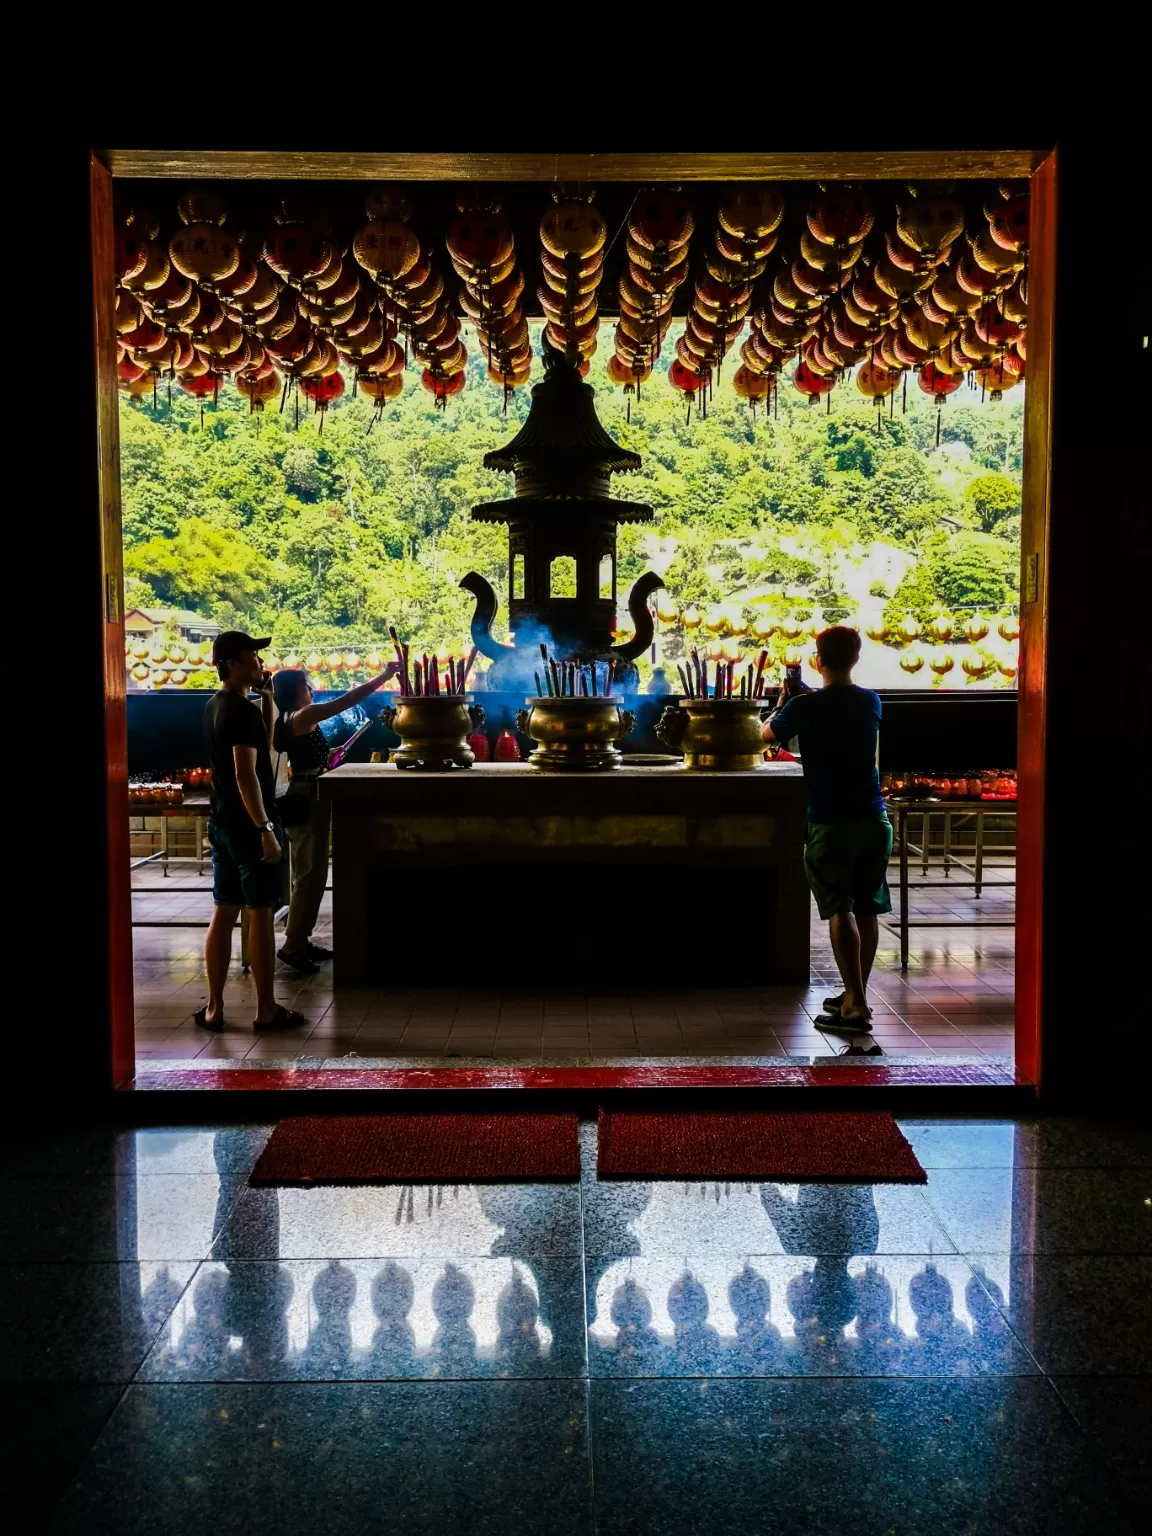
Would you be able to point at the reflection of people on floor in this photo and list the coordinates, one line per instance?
(454, 1342)
(836, 1222)
(824, 1218)
(696, 1344)
(756, 1350)
(393, 1343)
(328, 1352)
(517, 1314)
(255, 1311)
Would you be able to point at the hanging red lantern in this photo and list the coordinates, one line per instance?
(442, 386)
(295, 252)
(323, 390)
(661, 221)
(128, 371)
(810, 383)
(930, 224)
(480, 239)
(205, 253)
(840, 215)
(572, 228)
(751, 386)
(201, 386)
(935, 383)
(129, 254)
(684, 379)
(1008, 222)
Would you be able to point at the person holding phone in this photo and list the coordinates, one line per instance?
(298, 738)
(244, 830)
(849, 838)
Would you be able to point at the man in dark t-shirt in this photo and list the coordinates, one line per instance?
(849, 835)
(244, 830)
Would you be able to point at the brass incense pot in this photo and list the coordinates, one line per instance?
(719, 735)
(575, 733)
(433, 730)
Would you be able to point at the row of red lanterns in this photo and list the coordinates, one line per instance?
(482, 249)
(572, 239)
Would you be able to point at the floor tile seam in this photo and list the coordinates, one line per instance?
(160, 1330)
(1012, 1327)
(1121, 1487)
(716, 1376)
(347, 1381)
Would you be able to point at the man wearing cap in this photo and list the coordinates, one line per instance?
(244, 831)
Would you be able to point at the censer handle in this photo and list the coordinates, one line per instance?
(627, 723)
(477, 716)
(387, 716)
(522, 717)
(672, 724)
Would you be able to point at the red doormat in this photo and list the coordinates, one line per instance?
(441, 1149)
(792, 1146)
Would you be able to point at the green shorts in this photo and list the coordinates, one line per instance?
(847, 865)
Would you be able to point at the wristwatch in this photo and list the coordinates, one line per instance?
(267, 826)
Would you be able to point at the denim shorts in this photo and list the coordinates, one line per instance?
(240, 878)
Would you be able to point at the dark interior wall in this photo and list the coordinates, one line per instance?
(933, 733)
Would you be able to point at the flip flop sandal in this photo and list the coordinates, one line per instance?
(283, 1018)
(839, 1026)
(299, 960)
(833, 1004)
(217, 1026)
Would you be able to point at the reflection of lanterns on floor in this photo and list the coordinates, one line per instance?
(975, 629)
(907, 630)
(941, 662)
(912, 660)
(1008, 627)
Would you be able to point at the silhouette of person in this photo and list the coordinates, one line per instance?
(454, 1342)
(517, 1313)
(393, 1343)
(255, 1302)
(822, 1302)
(158, 1299)
(328, 1352)
(696, 1344)
(756, 1348)
(637, 1346)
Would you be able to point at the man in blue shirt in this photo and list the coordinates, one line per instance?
(849, 835)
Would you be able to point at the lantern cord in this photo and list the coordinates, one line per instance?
(904, 400)
(154, 405)
(284, 395)
(323, 413)
(939, 412)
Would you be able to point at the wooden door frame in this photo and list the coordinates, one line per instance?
(1033, 756)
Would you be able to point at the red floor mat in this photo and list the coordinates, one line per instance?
(443, 1149)
(791, 1146)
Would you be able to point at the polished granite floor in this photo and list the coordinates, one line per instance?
(955, 1001)
(184, 1353)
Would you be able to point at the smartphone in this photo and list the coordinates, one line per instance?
(792, 678)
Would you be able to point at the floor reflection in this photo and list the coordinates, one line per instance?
(827, 1301)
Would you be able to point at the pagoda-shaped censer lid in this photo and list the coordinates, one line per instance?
(562, 452)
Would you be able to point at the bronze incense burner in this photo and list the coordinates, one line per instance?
(575, 733)
(433, 730)
(717, 735)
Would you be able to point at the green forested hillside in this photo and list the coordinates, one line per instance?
(324, 538)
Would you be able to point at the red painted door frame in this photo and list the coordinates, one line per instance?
(1033, 684)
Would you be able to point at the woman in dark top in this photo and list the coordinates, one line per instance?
(297, 737)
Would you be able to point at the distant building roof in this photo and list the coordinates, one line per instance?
(184, 617)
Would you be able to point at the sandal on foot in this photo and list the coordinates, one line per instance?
(841, 1026)
(217, 1025)
(833, 1004)
(299, 960)
(283, 1018)
(317, 952)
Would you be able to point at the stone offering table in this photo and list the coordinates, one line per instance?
(505, 875)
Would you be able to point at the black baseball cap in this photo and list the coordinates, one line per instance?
(232, 644)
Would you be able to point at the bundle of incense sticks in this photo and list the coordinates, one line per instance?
(572, 679)
(695, 684)
(423, 680)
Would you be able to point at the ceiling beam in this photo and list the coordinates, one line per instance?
(361, 165)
